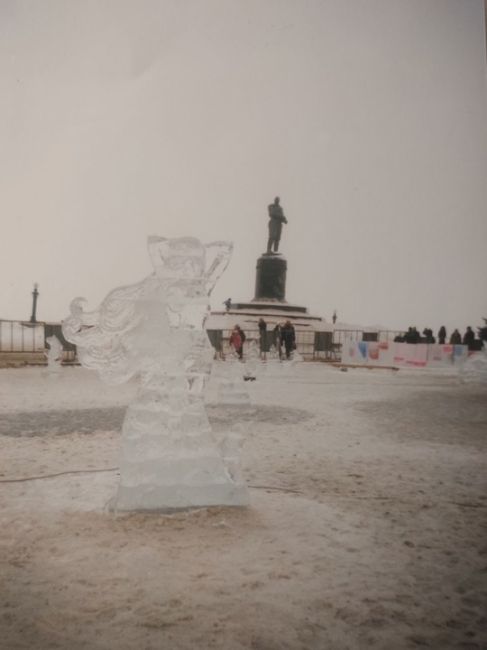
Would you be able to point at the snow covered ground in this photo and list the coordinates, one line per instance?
(366, 527)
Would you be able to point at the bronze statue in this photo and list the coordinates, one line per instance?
(276, 219)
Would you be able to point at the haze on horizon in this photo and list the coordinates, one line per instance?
(121, 119)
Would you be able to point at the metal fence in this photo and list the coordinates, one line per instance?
(332, 351)
(19, 336)
(30, 339)
(326, 345)
(27, 341)
(305, 340)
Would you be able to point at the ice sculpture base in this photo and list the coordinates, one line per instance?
(227, 386)
(179, 497)
(169, 458)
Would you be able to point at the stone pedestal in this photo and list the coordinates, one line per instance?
(270, 280)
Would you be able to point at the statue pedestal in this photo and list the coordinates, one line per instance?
(270, 289)
(270, 279)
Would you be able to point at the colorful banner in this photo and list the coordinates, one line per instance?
(385, 353)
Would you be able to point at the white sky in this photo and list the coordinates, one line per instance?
(367, 117)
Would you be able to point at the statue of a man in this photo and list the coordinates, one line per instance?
(276, 219)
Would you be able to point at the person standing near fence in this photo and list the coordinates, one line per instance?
(239, 338)
(288, 336)
(442, 335)
(456, 338)
(236, 341)
(469, 338)
(276, 339)
(242, 336)
(262, 338)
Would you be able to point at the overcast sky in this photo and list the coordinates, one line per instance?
(368, 118)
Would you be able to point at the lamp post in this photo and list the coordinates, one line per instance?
(35, 294)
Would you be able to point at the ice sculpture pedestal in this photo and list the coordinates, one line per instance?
(169, 459)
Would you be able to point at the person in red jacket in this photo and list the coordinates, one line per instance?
(237, 339)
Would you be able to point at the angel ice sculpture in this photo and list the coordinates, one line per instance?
(154, 330)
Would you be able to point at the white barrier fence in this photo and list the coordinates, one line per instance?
(387, 353)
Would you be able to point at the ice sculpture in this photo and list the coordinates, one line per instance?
(154, 329)
(252, 362)
(474, 368)
(229, 379)
(54, 356)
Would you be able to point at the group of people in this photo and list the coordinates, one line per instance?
(470, 339)
(413, 336)
(282, 336)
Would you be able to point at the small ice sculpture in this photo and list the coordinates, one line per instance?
(54, 356)
(231, 387)
(252, 362)
(154, 330)
(474, 368)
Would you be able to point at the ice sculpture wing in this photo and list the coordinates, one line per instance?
(222, 252)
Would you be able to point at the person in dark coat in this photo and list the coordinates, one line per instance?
(288, 336)
(456, 338)
(469, 338)
(276, 339)
(242, 336)
(428, 334)
(442, 335)
(262, 338)
(483, 330)
(412, 335)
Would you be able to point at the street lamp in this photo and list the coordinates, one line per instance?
(35, 294)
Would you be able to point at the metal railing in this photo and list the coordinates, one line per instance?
(305, 341)
(20, 336)
(333, 351)
(30, 338)
(28, 341)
